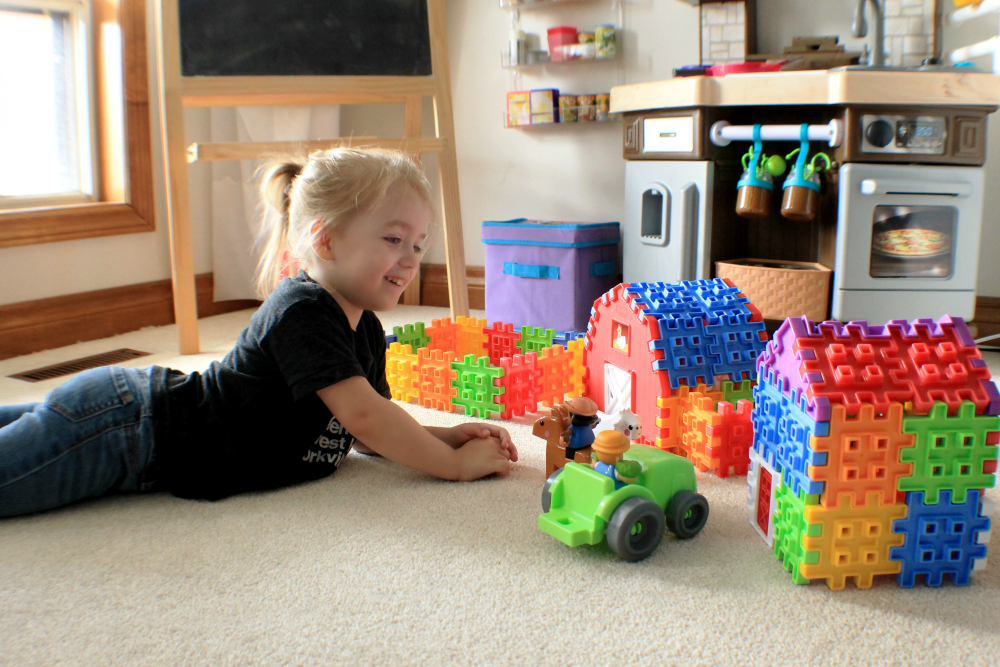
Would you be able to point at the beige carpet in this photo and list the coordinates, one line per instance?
(381, 566)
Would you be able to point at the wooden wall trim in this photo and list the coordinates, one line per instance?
(33, 326)
(434, 285)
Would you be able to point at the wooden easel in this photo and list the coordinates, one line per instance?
(176, 92)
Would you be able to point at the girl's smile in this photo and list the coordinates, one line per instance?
(368, 261)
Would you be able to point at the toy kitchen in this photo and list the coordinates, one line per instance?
(859, 192)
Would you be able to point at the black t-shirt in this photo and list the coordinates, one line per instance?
(254, 421)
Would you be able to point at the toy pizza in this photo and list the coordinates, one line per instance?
(910, 242)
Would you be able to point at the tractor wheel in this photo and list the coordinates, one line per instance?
(636, 529)
(546, 494)
(686, 514)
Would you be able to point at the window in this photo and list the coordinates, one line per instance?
(75, 155)
(46, 139)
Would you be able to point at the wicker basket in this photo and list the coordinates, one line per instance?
(781, 289)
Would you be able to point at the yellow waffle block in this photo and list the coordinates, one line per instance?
(470, 337)
(852, 542)
(577, 385)
(403, 373)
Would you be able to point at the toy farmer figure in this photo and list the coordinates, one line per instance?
(581, 431)
(607, 458)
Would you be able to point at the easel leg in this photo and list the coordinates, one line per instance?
(413, 129)
(444, 125)
(175, 175)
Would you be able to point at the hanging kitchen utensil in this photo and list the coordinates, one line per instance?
(800, 197)
(753, 199)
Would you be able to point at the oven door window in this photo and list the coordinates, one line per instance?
(913, 241)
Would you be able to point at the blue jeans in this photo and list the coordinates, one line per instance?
(90, 437)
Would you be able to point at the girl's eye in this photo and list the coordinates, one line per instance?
(394, 240)
(417, 249)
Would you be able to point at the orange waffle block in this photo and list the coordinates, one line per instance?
(863, 457)
(733, 434)
(556, 378)
(443, 334)
(696, 420)
(402, 373)
(850, 542)
(469, 337)
(670, 421)
(434, 367)
(714, 436)
(578, 377)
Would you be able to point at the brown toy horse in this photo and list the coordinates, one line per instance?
(552, 429)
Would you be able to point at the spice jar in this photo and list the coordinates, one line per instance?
(567, 108)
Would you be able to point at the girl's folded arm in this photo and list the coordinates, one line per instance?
(388, 429)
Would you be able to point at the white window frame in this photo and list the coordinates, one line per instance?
(81, 21)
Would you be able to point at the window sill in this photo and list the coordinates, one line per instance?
(68, 223)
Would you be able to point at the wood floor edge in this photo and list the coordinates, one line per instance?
(44, 324)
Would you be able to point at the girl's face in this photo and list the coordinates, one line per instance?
(368, 261)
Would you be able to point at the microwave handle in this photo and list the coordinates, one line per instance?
(871, 186)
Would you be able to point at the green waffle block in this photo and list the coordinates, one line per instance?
(790, 527)
(534, 339)
(736, 391)
(412, 335)
(476, 383)
(948, 452)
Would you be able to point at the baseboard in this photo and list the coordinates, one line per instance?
(33, 326)
(434, 286)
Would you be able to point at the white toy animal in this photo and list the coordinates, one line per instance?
(623, 421)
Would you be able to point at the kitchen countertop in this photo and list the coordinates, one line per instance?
(818, 87)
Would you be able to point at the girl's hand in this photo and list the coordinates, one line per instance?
(463, 433)
(480, 457)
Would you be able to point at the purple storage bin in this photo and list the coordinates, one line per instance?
(548, 274)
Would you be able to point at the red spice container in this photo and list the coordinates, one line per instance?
(560, 36)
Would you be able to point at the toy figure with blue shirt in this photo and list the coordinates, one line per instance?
(580, 434)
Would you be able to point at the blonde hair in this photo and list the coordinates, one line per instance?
(330, 186)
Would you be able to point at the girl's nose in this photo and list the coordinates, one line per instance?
(410, 258)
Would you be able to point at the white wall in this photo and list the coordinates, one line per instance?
(571, 172)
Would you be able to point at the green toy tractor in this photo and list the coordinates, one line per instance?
(582, 506)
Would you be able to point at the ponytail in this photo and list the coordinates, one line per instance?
(275, 185)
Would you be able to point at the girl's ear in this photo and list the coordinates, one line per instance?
(321, 242)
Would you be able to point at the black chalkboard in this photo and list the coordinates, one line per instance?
(304, 37)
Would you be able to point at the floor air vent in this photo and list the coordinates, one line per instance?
(77, 365)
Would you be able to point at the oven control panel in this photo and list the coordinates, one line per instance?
(898, 134)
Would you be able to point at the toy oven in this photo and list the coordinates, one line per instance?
(907, 241)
